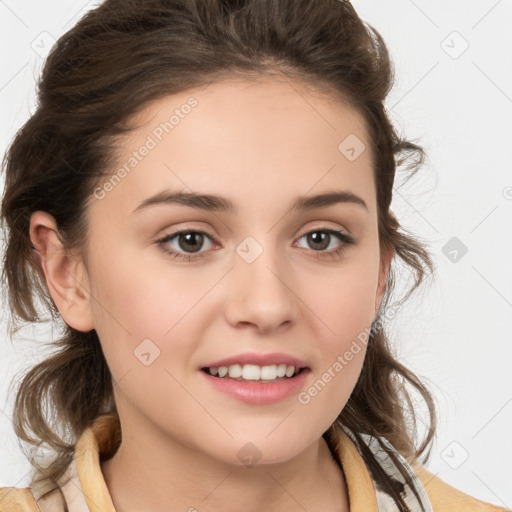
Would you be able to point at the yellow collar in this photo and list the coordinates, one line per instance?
(83, 489)
(104, 436)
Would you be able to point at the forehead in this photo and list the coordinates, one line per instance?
(260, 106)
(253, 139)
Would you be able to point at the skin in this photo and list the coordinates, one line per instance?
(261, 144)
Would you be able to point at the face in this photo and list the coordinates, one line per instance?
(259, 278)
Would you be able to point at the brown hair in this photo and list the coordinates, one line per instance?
(119, 57)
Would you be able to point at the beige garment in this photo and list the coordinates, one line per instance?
(86, 490)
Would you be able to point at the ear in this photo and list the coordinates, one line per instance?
(385, 262)
(65, 274)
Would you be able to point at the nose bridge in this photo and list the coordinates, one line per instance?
(261, 292)
(260, 265)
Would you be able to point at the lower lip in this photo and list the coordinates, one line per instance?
(259, 393)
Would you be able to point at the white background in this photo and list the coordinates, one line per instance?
(457, 332)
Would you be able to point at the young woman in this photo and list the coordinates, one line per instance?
(203, 198)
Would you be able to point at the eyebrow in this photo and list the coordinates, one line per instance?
(221, 204)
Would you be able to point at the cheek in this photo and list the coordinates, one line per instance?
(344, 300)
(149, 319)
(344, 308)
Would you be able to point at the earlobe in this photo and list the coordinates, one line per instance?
(64, 273)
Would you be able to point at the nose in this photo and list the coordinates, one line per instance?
(263, 293)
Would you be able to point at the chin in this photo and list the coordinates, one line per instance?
(259, 451)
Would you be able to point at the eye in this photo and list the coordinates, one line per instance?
(191, 242)
(186, 240)
(321, 238)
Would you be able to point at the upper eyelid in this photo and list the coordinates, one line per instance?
(333, 232)
(214, 238)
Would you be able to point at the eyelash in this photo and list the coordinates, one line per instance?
(342, 237)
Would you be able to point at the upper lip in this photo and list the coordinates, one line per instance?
(276, 358)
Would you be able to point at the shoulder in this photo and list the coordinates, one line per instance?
(17, 499)
(445, 498)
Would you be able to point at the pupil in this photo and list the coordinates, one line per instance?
(322, 237)
(189, 239)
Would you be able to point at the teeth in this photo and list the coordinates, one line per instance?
(235, 371)
(254, 372)
(290, 370)
(281, 370)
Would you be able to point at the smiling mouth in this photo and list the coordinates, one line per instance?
(254, 373)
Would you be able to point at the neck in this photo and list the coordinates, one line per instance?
(191, 480)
